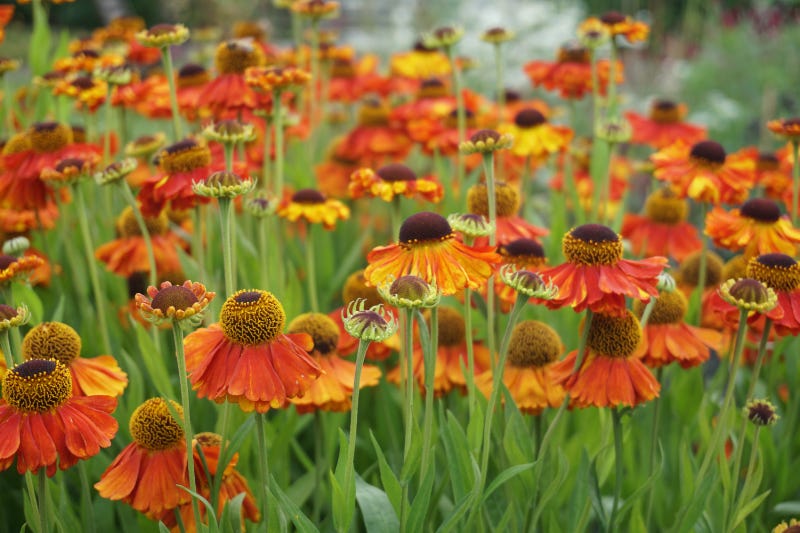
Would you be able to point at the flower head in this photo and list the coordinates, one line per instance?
(528, 283)
(163, 35)
(12, 268)
(748, 294)
(391, 181)
(757, 227)
(373, 324)
(313, 207)
(116, 171)
(223, 184)
(70, 170)
(486, 141)
(261, 205)
(409, 292)
(174, 303)
(274, 78)
(443, 37)
(470, 224)
(230, 132)
(497, 35)
(761, 412)
(13, 318)
(788, 128)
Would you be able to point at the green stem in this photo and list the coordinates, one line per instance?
(223, 431)
(751, 463)
(461, 114)
(8, 113)
(226, 224)
(320, 465)
(87, 518)
(653, 444)
(109, 119)
(488, 169)
(430, 373)
(605, 191)
(265, 183)
(263, 252)
(315, 81)
(263, 467)
(470, 349)
(616, 418)
(595, 91)
(311, 268)
(407, 347)
(166, 57)
(648, 310)
(42, 495)
(228, 151)
(277, 121)
(198, 247)
(499, 85)
(795, 180)
(177, 340)
(148, 243)
(612, 81)
(5, 345)
(697, 294)
(395, 215)
(88, 248)
(349, 473)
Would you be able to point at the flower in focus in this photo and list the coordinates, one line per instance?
(333, 390)
(663, 229)
(374, 324)
(571, 73)
(147, 472)
(664, 125)
(245, 358)
(781, 273)
(427, 248)
(705, 172)
(532, 351)
(611, 373)
(757, 227)
(792, 527)
(595, 276)
(509, 226)
(669, 339)
(311, 206)
(90, 377)
(43, 424)
(409, 292)
(174, 303)
(749, 294)
(223, 184)
(392, 181)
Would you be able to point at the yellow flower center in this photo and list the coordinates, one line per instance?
(689, 270)
(234, 57)
(778, 271)
(128, 227)
(52, 340)
(533, 344)
(184, 156)
(664, 207)
(614, 336)
(19, 142)
(355, 288)
(592, 244)
(48, 137)
(322, 329)
(37, 385)
(252, 317)
(669, 308)
(153, 427)
(452, 328)
(373, 113)
(506, 200)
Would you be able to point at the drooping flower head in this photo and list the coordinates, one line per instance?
(174, 303)
(427, 248)
(42, 424)
(757, 227)
(245, 358)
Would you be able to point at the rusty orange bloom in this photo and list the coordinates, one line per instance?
(773, 173)
(42, 424)
(245, 358)
(618, 24)
(270, 78)
(333, 390)
(663, 229)
(596, 277)
(611, 373)
(13, 268)
(228, 95)
(311, 206)
(532, 351)
(147, 472)
(522, 254)
(374, 141)
(90, 376)
(571, 73)
(88, 92)
(704, 172)
(664, 125)
(427, 248)
(669, 339)
(757, 227)
(781, 273)
(788, 128)
(393, 180)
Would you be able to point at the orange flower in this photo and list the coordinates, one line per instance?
(88, 92)
(374, 141)
(271, 78)
(408, 68)
(596, 277)
(6, 12)
(190, 83)
(782, 274)
(351, 80)
(704, 172)
(228, 95)
(333, 390)
(663, 230)
(42, 423)
(393, 180)
(788, 128)
(246, 359)
(664, 125)
(773, 173)
(611, 373)
(619, 24)
(757, 228)
(427, 248)
(451, 355)
(533, 349)
(668, 338)
(312, 207)
(147, 472)
(170, 303)
(534, 137)
(128, 253)
(12, 268)
(522, 254)
(508, 225)
(90, 377)
(571, 73)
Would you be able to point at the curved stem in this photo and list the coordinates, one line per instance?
(177, 339)
(616, 418)
(148, 243)
(697, 294)
(430, 373)
(88, 248)
(488, 169)
(169, 71)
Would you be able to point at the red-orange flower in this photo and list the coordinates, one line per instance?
(90, 376)
(427, 248)
(12, 267)
(664, 125)
(522, 254)
(393, 180)
(246, 359)
(757, 228)
(43, 424)
(147, 472)
(788, 128)
(773, 173)
(508, 225)
(571, 73)
(781, 273)
(596, 277)
(611, 373)
(374, 141)
(669, 339)
(663, 229)
(228, 95)
(619, 24)
(705, 172)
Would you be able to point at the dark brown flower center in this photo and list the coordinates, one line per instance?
(528, 118)
(308, 196)
(7, 312)
(70, 162)
(176, 296)
(709, 151)
(523, 247)
(767, 161)
(396, 172)
(761, 209)
(592, 244)
(595, 233)
(776, 260)
(409, 287)
(612, 17)
(484, 136)
(181, 146)
(247, 297)
(749, 290)
(423, 227)
(6, 261)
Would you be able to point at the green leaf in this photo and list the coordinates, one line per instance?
(163, 528)
(58, 313)
(212, 516)
(644, 488)
(465, 504)
(594, 491)
(414, 458)
(391, 485)
(230, 520)
(22, 293)
(460, 460)
(421, 503)
(39, 56)
(233, 446)
(787, 508)
(154, 361)
(376, 509)
(341, 516)
(749, 507)
(302, 489)
(300, 521)
(504, 476)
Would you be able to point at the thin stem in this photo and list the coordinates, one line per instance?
(198, 247)
(395, 215)
(653, 443)
(148, 243)
(265, 183)
(488, 169)
(470, 350)
(430, 373)
(461, 113)
(795, 180)
(263, 252)
(277, 124)
(351, 444)
(5, 345)
(315, 81)
(311, 269)
(226, 224)
(612, 80)
(616, 418)
(223, 431)
(751, 463)
(407, 346)
(86, 499)
(499, 83)
(697, 294)
(109, 119)
(648, 310)
(88, 248)
(605, 191)
(42, 495)
(177, 340)
(228, 151)
(166, 58)
(263, 466)
(319, 461)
